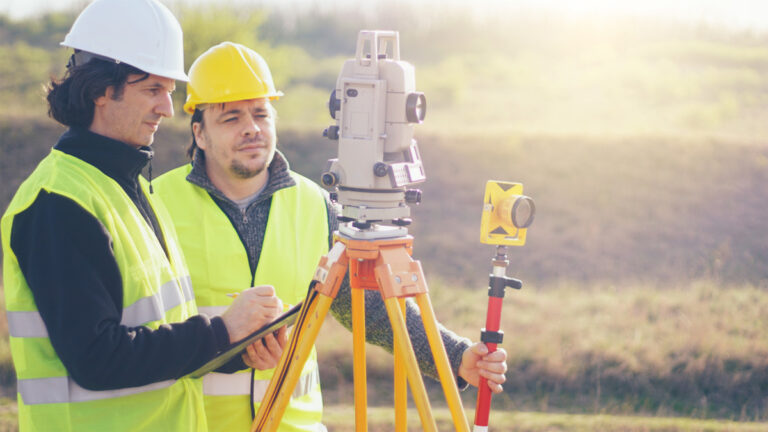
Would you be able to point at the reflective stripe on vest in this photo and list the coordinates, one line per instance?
(218, 384)
(66, 390)
(147, 309)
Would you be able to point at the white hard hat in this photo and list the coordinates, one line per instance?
(141, 33)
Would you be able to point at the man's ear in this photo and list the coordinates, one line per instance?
(197, 131)
(101, 100)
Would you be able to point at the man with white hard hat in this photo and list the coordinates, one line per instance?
(101, 314)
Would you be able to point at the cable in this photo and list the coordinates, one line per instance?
(282, 373)
(253, 407)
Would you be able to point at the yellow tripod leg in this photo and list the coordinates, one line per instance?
(405, 349)
(326, 281)
(276, 400)
(359, 366)
(401, 385)
(441, 362)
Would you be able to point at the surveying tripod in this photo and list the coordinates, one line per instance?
(382, 264)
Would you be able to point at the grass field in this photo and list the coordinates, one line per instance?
(696, 351)
(340, 418)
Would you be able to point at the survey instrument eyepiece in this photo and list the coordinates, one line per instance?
(415, 107)
(376, 106)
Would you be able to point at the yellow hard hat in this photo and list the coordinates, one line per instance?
(228, 72)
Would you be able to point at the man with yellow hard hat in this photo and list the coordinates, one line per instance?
(244, 219)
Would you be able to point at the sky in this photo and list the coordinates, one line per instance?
(736, 14)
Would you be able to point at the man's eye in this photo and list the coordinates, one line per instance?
(230, 120)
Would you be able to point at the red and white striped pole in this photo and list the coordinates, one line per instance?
(491, 335)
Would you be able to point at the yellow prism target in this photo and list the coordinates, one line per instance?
(507, 214)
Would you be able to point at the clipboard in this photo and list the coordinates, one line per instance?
(236, 348)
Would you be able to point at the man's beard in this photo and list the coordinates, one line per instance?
(243, 172)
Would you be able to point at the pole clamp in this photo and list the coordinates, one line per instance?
(495, 337)
(496, 285)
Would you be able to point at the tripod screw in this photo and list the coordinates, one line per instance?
(380, 169)
(334, 104)
(401, 222)
(332, 132)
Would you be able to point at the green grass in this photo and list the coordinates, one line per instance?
(341, 418)
(695, 350)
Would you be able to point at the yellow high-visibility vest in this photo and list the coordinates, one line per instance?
(296, 237)
(156, 291)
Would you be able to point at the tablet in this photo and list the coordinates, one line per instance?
(237, 348)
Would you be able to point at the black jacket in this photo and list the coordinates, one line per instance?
(66, 257)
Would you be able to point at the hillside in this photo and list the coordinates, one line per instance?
(608, 208)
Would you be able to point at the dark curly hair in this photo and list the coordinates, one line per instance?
(71, 99)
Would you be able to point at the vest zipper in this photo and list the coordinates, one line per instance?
(244, 212)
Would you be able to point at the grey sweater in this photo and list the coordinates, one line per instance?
(251, 224)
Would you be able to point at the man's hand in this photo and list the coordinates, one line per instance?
(251, 309)
(265, 353)
(476, 363)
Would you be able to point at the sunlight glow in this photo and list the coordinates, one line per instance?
(740, 14)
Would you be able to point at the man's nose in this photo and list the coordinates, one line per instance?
(251, 128)
(165, 107)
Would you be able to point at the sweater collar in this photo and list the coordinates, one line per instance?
(279, 177)
(118, 160)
